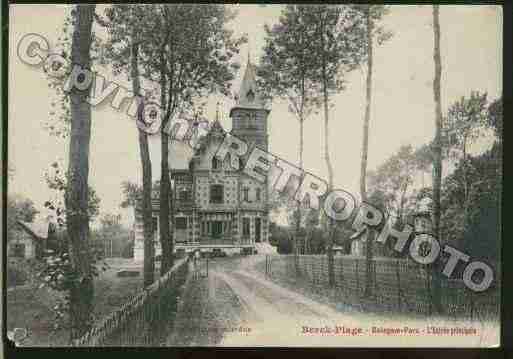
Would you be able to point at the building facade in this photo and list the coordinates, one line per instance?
(216, 206)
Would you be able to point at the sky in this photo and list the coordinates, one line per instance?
(402, 110)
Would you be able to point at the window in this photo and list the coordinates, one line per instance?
(245, 193)
(217, 229)
(250, 96)
(181, 222)
(216, 164)
(245, 227)
(258, 194)
(184, 195)
(216, 193)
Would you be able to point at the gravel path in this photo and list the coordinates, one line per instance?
(237, 306)
(207, 309)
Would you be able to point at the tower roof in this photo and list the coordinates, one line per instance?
(248, 96)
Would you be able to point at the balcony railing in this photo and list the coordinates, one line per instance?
(216, 241)
(212, 241)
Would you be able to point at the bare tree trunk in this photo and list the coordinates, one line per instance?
(166, 240)
(466, 193)
(437, 166)
(298, 208)
(77, 194)
(365, 150)
(149, 244)
(301, 147)
(331, 271)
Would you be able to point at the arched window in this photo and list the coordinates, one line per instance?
(250, 96)
(216, 164)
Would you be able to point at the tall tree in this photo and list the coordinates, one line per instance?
(285, 68)
(476, 186)
(77, 217)
(144, 153)
(335, 38)
(189, 62)
(394, 179)
(437, 148)
(128, 26)
(465, 121)
(372, 15)
(495, 118)
(365, 148)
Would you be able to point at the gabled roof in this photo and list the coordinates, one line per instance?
(216, 130)
(181, 152)
(38, 230)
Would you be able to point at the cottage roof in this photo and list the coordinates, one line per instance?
(37, 229)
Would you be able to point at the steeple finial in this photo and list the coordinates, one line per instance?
(217, 111)
(249, 51)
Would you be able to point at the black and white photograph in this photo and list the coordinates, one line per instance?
(253, 175)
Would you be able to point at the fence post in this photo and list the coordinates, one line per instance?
(428, 284)
(398, 276)
(342, 279)
(357, 278)
(471, 306)
(374, 265)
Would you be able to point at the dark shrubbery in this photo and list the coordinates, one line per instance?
(16, 274)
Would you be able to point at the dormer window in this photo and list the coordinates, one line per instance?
(250, 96)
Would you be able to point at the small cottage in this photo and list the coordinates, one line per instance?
(30, 240)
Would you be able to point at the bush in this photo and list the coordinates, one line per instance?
(16, 275)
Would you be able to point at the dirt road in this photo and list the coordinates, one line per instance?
(235, 305)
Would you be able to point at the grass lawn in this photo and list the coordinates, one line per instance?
(31, 308)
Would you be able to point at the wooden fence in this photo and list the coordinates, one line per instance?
(143, 320)
(399, 285)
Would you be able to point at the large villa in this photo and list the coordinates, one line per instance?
(215, 206)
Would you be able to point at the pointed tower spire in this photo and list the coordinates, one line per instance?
(249, 115)
(217, 111)
(248, 95)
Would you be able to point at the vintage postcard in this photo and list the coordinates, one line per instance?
(254, 175)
